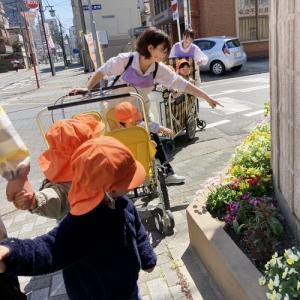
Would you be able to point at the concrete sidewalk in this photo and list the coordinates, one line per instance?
(179, 273)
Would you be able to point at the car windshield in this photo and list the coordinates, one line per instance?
(233, 43)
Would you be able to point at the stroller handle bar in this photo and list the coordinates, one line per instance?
(89, 101)
(93, 100)
(100, 89)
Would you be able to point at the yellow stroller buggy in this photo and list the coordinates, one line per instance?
(137, 139)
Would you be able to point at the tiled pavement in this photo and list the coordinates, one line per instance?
(179, 273)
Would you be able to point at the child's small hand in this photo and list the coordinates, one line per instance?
(150, 270)
(22, 200)
(4, 251)
(166, 131)
(192, 80)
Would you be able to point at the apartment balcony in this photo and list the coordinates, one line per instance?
(6, 50)
(4, 35)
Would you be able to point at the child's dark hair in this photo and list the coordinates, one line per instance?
(182, 65)
(122, 124)
(152, 36)
(189, 33)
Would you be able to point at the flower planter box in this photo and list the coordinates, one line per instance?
(230, 268)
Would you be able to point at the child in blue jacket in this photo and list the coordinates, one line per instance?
(101, 245)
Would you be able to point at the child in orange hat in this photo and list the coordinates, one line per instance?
(183, 69)
(64, 137)
(113, 246)
(128, 115)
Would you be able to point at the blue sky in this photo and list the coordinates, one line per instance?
(63, 10)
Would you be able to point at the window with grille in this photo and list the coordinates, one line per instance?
(253, 19)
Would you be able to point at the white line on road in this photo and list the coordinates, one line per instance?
(217, 123)
(242, 90)
(254, 113)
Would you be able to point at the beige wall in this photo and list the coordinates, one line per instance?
(285, 104)
(126, 15)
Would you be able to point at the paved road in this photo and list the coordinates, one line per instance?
(179, 274)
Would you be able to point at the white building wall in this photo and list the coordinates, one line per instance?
(116, 17)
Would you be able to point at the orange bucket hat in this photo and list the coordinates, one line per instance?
(95, 125)
(180, 62)
(64, 137)
(126, 112)
(101, 165)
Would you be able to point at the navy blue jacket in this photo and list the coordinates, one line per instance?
(100, 253)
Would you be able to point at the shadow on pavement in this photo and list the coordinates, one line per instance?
(199, 274)
(251, 67)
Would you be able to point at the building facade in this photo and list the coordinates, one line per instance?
(5, 48)
(247, 19)
(285, 105)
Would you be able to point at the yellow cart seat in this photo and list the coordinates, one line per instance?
(93, 113)
(111, 121)
(137, 139)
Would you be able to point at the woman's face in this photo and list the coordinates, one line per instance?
(186, 41)
(158, 54)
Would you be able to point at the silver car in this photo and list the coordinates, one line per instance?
(223, 52)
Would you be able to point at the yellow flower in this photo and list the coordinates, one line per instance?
(273, 296)
(262, 280)
(271, 285)
(298, 285)
(290, 259)
(284, 273)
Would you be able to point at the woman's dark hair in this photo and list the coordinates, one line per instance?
(189, 33)
(152, 36)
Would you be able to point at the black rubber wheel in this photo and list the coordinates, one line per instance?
(190, 128)
(158, 223)
(163, 188)
(201, 124)
(236, 68)
(170, 145)
(217, 68)
(171, 219)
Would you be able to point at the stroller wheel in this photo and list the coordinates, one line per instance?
(170, 145)
(158, 223)
(201, 124)
(171, 219)
(190, 128)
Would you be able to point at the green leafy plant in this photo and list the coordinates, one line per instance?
(17, 46)
(260, 236)
(282, 275)
(220, 197)
(237, 227)
(266, 108)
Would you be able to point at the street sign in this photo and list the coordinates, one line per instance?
(94, 7)
(175, 15)
(32, 3)
(174, 5)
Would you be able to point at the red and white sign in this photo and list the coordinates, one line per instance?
(32, 3)
(174, 5)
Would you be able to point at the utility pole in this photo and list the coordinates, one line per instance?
(62, 43)
(83, 42)
(33, 59)
(43, 24)
(41, 33)
(94, 34)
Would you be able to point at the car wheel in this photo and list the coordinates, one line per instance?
(217, 68)
(236, 68)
